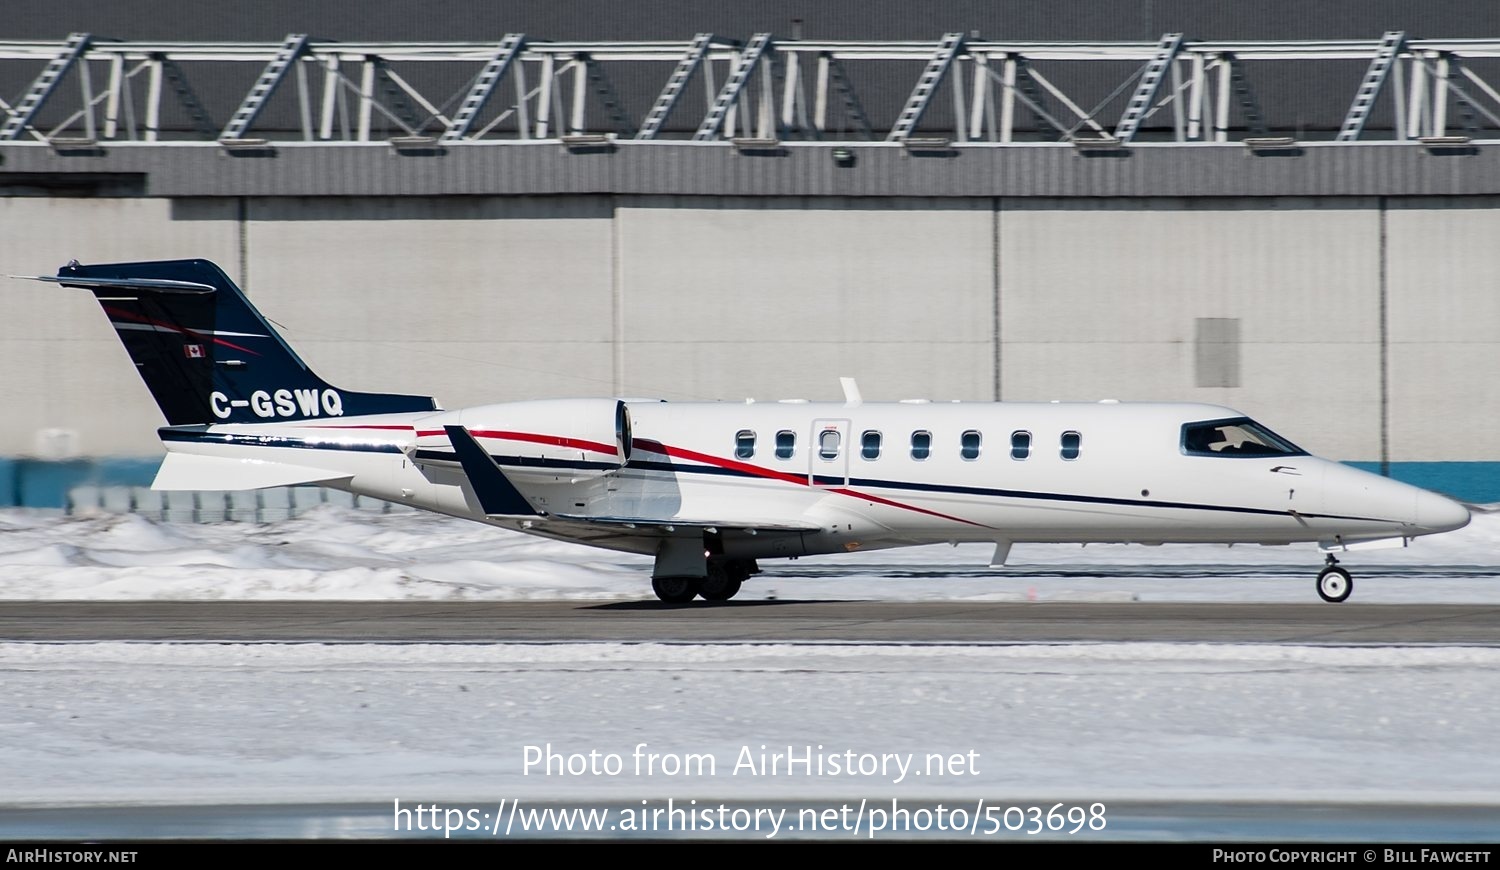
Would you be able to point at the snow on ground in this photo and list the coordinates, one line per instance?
(202, 723)
(340, 553)
(191, 723)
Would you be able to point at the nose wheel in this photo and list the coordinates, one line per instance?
(1334, 583)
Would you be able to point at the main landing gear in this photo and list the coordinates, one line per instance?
(1334, 583)
(721, 583)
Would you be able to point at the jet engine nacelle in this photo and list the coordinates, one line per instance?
(545, 440)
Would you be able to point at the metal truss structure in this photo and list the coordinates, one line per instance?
(755, 93)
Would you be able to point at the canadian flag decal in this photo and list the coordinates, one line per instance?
(193, 351)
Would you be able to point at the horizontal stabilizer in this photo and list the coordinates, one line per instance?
(498, 497)
(158, 285)
(190, 471)
(671, 524)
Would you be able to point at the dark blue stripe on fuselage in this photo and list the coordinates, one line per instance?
(522, 461)
(669, 467)
(1058, 496)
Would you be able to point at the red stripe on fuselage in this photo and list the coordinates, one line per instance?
(530, 438)
(396, 428)
(683, 453)
(885, 501)
(801, 479)
(708, 459)
(552, 440)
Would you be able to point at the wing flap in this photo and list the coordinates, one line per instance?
(672, 524)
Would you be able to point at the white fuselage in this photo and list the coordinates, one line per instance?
(1003, 472)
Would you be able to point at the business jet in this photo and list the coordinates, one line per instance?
(712, 489)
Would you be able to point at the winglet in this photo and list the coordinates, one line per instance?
(497, 495)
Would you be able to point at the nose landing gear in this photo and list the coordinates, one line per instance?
(1334, 583)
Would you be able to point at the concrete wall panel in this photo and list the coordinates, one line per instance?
(782, 297)
(1100, 298)
(1445, 328)
(63, 366)
(483, 299)
(474, 299)
(770, 370)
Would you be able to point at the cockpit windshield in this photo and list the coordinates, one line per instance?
(1237, 437)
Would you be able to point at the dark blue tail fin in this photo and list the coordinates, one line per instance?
(207, 355)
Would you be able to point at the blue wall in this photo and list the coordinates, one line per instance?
(1472, 482)
(39, 483)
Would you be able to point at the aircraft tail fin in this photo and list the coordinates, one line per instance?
(206, 353)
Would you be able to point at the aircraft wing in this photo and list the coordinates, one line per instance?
(674, 524)
(498, 496)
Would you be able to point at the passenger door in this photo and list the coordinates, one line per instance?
(828, 453)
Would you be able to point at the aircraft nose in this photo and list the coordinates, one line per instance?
(1438, 514)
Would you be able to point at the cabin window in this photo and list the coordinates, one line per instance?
(828, 444)
(744, 444)
(921, 445)
(1020, 444)
(786, 442)
(869, 444)
(1235, 437)
(1072, 443)
(969, 444)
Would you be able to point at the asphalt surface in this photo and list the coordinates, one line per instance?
(1153, 821)
(759, 622)
(949, 622)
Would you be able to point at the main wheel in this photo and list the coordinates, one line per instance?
(1334, 584)
(675, 590)
(721, 584)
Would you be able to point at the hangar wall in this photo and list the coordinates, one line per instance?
(1100, 297)
(1362, 323)
(63, 366)
(1444, 310)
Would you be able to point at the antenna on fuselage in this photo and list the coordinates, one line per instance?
(852, 398)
